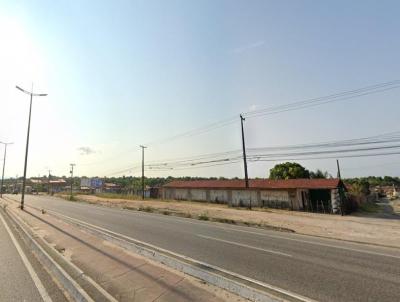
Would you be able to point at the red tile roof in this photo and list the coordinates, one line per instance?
(256, 184)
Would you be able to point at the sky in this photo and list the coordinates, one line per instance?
(120, 74)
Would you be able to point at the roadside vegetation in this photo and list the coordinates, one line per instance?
(369, 207)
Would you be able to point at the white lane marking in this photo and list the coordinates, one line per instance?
(238, 229)
(39, 285)
(246, 246)
(319, 243)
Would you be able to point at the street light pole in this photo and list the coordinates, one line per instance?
(27, 139)
(4, 164)
(143, 147)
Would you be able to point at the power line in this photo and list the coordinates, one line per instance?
(346, 95)
(371, 143)
(325, 99)
(327, 157)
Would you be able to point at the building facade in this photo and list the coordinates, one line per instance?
(314, 195)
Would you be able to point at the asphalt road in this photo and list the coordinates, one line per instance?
(320, 269)
(22, 277)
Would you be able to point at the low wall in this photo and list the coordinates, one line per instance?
(235, 198)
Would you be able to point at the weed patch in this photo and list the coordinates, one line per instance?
(203, 216)
(224, 220)
(146, 209)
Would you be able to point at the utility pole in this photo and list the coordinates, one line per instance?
(143, 147)
(338, 169)
(72, 177)
(341, 201)
(4, 164)
(27, 139)
(246, 177)
(48, 183)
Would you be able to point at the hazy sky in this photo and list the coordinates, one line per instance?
(124, 73)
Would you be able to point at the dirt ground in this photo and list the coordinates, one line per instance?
(358, 228)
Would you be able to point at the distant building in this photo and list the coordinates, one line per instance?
(91, 185)
(57, 185)
(315, 195)
(111, 188)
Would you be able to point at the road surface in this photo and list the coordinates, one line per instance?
(320, 269)
(22, 278)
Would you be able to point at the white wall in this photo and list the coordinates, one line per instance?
(335, 201)
(198, 194)
(220, 196)
(244, 198)
(275, 198)
(181, 194)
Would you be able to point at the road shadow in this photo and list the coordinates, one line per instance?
(161, 282)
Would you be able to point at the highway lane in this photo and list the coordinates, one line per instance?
(321, 269)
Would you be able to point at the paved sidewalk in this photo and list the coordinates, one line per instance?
(126, 276)
(15, 282)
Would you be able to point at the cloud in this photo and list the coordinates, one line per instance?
(86, 150)
(253, 107)
(244, 48)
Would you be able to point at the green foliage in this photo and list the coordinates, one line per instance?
(360, 188)
(203, 216)
(375, 180)
(288, 170)
(319, 174)
(369, 207)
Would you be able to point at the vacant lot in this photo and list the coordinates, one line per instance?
(381, 231)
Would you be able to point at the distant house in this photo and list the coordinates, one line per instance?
(41, 184)
(111, 188)
(91, 185)
(57, 185)
(149, 192)
(314, 195)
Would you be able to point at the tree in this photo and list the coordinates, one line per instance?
(360, 188)
(319, 174)
(288, 170)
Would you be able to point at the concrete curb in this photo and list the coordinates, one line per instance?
(74, 290)
(240, 285)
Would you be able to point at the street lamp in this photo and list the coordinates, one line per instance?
(4, 165)
(27, 139)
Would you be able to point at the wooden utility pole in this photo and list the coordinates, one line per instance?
(338, 169)
(143, 147)
(72, 176)
(48, 183)
(246, 177)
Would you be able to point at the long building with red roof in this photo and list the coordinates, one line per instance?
(316, 195)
